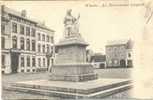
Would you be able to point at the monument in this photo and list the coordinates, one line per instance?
(70, 62)
(71, 76)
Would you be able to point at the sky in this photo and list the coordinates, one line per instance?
(97, 24)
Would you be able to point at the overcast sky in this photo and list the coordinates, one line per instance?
(97, 24)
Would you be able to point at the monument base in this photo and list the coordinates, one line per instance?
(73, 72)
(90, 89)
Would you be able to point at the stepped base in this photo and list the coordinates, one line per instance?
(89, 89)
(73, 72)
(74, 78)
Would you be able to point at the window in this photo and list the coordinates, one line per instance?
(3, 43)
(39, 48)
(52, 49)
(44, 63)
(22, 70)
(33, 32)
(22, 61)
(129, 55)
(22, 43)
(39, 37)
(14, 42)
(33, 62)
(21, 29)
(52, 39)
(39, 62)
(43, 37)
(43, 48)
(3, 60)
(33, 70)
(3, 29)
(28, 31)
(33, 45)
(28, 70)
(28, 61)
(48, 48)
(28, 44)
(129, 63)
(47, 38)
(14, 27)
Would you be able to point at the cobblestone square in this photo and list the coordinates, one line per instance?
(105, 73)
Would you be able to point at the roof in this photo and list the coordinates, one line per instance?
(18, 14)
(97, 57)
(117, 42)
(40, 25)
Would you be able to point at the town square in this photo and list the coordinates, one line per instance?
(72, 53)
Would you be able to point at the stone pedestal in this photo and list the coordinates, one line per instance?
(70, 62)
(73, 72)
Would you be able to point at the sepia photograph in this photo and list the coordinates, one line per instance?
(77, 50)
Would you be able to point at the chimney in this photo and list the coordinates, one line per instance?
(23, 13)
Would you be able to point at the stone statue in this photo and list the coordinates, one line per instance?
(71, 24)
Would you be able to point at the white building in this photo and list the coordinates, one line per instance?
(119, 53)
(27, 45)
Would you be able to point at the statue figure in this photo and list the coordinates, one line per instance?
(71, 24)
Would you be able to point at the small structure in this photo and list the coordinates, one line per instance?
(98, 60)
(119, 53)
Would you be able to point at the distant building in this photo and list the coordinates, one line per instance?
(27, 45)
(119, 53)
(98, 60)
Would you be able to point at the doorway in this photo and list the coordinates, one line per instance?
(14, 62)
(102, 66)
(122, 63)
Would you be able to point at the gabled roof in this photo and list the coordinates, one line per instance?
(97, 57)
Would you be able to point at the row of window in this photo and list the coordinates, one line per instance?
(47, 38)
(41, 62)
(28, 70)
(119, 55)
(45, 48)
(115, 48)
(22, 64)
(29, 31)
(22, 43)
(113, 62)
(28, 45)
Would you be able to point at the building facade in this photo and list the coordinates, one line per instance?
(119, 53)
(98, 60)
(27, 45)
